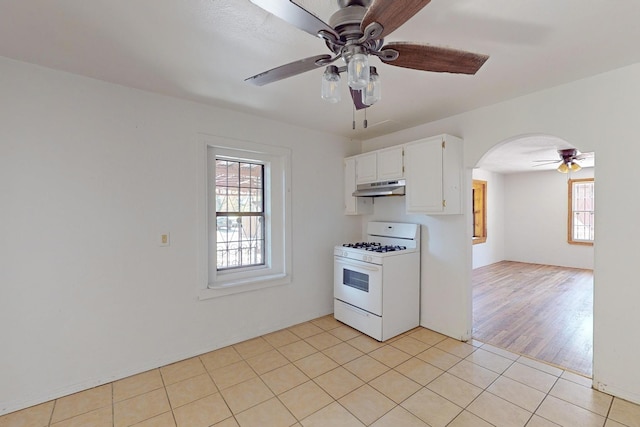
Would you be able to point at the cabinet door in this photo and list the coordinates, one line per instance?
(390, 164)
(353, 205)
(366, 167)
(423, 172)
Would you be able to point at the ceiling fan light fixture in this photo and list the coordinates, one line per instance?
(563, 168)
(373, 92)
(331, 85)
(358, 71)
(575, 167)
(355, 31)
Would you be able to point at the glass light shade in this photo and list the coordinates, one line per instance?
(373, 92)
(358, 71)
(331, 85)
(575, 167)
(563, 168)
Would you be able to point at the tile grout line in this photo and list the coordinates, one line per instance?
(581, 407)
(166, 392)
(233, 415)
(53, 408)
(113, 407)
(542, 401)
(609, 409)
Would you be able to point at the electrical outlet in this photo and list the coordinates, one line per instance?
(164, 239)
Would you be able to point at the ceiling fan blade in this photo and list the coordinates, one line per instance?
(391, 14)
(546, 162)
(295, 15)
(434, 58)
(356, 95)
(583, 156)
(287, 70)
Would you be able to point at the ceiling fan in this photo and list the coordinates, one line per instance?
(355, 32)
(568, 160)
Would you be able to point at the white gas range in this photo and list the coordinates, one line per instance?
(377, 282)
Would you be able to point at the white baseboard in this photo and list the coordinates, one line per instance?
(617, 392)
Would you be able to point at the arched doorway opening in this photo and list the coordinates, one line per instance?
(533, 288)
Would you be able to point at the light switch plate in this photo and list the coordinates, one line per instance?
(164, 239)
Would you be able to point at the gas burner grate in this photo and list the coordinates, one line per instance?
(374, 247)
(386, 248)
(362, 245)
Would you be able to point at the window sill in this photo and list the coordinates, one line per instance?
(579, 243)
(477, 240)
(221, 289)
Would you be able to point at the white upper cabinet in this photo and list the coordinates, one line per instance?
(433, 170)
(354, 205)
(390, 163)
(380, 165)
(366, 168)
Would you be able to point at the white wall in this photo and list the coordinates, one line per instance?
(90, 174)
(440, 260)
(536, 220)
(492, 250)
(597, 114)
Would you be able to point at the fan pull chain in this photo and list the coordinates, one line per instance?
(365, 119)
(353, 109)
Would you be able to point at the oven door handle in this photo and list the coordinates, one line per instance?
(362, 266)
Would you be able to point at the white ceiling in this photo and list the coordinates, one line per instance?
(532, 153)
(203, 50)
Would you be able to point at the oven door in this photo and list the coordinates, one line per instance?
(358, 283)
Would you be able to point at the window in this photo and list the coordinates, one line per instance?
(245, 217)
(479, 205)
(581, 211)
(239, 214)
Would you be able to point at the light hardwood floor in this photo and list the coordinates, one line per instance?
(541, 311)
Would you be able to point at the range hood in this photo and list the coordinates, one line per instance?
(380, 189)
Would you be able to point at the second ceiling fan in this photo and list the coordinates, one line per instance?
(355, 32)
(568, 160)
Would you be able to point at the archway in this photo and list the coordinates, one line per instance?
(537, 287)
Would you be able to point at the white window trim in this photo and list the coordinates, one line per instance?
(277, 268)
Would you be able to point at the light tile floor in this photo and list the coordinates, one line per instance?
(323, 373)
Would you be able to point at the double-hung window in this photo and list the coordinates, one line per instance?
(239, 214)
(581, 224)
(245, 218)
